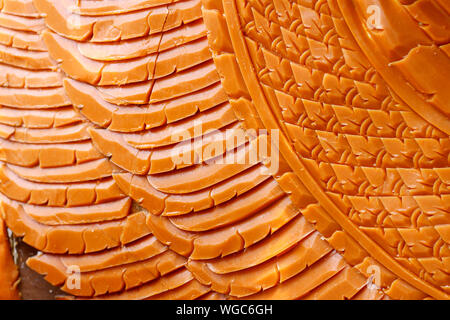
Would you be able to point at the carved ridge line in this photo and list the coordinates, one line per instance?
(267, 117)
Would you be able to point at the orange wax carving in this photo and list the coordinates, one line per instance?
(227, 149)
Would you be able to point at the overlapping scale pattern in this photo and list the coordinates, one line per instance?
(94, 92)
(361, 129)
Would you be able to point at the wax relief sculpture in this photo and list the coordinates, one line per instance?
(227, 149)
(218, 146)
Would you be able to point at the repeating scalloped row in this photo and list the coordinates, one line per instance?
(308, 77)
(142, 73)
(155, 81)
(57, 190)
(124, 26)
